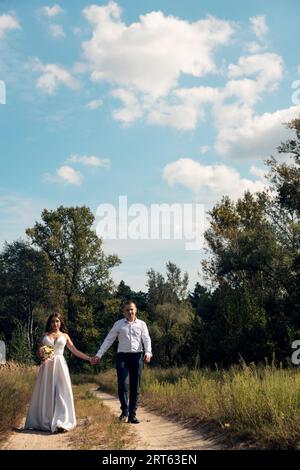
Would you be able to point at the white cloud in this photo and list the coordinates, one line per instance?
(65, 174)
(94, 104)
(256, 136)
(240, 131)
(252, 76)
(182, 116)
(151, 54)
(145, 60)
(52, 11)
(259, 26)
(245, 91)
(267, 67)
(7, 23)
(184, 108)
(132, 108)
(89, 160)
(259, 172)
(69, 175)
(52, 76)
(254, 47)
(57, 31)
(209, 182)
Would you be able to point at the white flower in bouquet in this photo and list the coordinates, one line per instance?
(47, 352)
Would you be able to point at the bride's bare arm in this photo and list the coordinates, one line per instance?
(74, 350)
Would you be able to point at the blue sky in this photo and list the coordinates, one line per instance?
(164, 102)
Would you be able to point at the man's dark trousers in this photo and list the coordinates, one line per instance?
(129, 371)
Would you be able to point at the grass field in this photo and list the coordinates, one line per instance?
(259, 404)
(16, 382)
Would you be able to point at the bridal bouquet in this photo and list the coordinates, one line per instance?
(47, 352)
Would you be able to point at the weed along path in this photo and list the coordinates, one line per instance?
(156, 432)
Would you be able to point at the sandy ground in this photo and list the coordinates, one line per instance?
(36, 440)
(154, 432)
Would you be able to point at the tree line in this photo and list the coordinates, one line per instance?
(247, 307)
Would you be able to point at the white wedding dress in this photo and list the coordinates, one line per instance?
(52, 404)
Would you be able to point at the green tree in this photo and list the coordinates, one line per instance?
(124, 292)
(254, 267)
(161, 290)
(169, 332)
(75, 252)
(169, 312)
(26, 283)
(74, 249)
(284, 211)
(19, 350)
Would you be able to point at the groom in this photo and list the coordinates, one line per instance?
(132, 335)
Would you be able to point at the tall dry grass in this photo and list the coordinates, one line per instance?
(261, 404)
(97, 428)
(16, 383)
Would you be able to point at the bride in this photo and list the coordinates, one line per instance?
(52, 406)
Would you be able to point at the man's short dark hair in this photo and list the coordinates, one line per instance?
(128, 302)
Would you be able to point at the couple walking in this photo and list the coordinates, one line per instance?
(52, 406)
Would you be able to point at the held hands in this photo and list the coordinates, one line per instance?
(94, 360)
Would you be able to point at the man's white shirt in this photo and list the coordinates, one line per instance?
(132, 336)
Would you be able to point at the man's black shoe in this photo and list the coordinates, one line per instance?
(123, 417)
(133, 420)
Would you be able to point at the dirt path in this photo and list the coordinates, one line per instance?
(154, 432)
(159, 433)
(36, 440)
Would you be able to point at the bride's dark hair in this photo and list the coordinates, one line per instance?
(56, 314)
